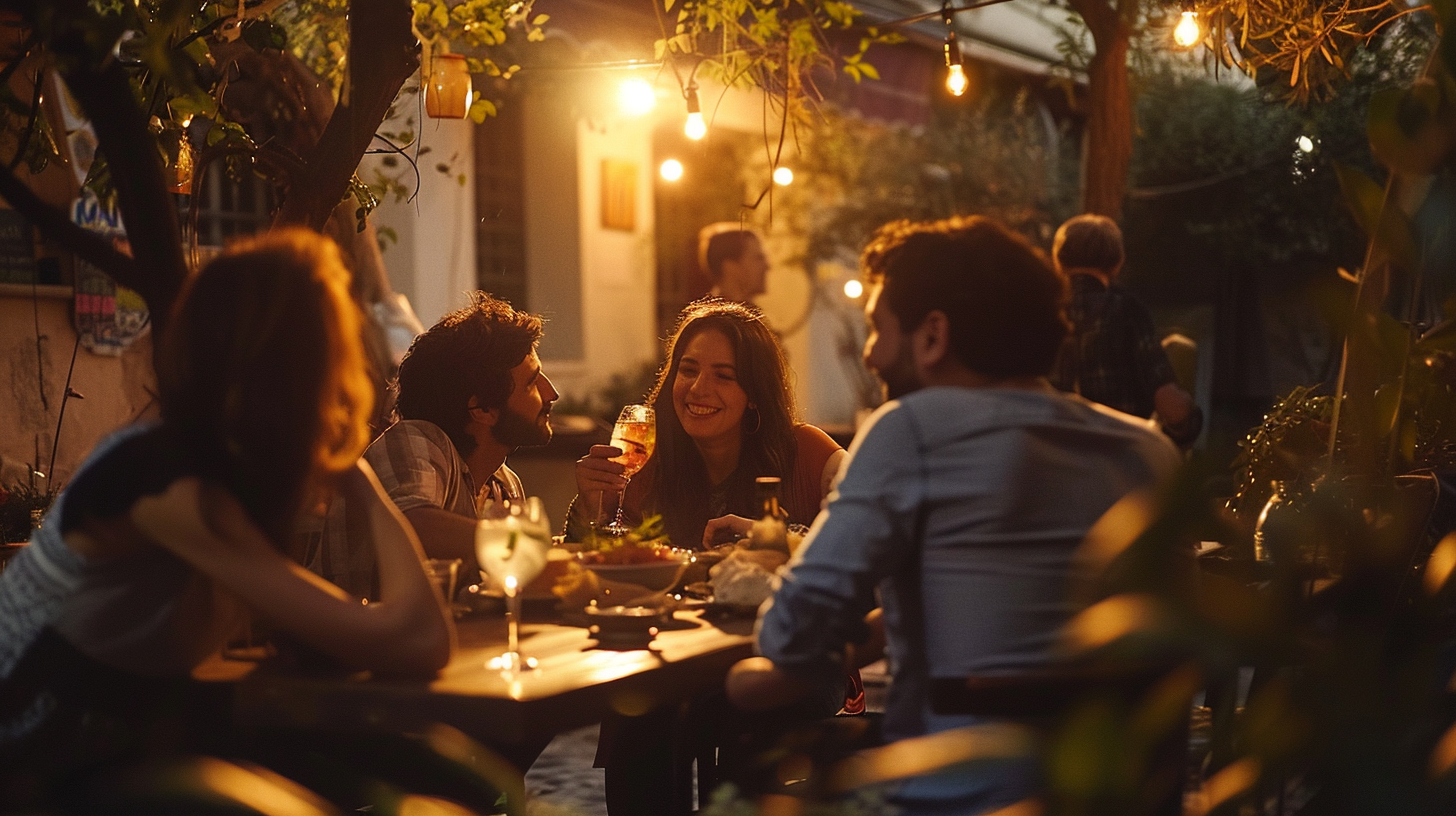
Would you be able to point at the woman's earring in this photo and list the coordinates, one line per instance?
(757, 419)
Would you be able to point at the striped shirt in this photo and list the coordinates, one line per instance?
(418, 466)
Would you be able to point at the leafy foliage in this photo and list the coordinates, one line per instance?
(779, 47)
(995, 158)
(1307, 44)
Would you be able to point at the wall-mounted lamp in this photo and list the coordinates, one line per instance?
(636, 97)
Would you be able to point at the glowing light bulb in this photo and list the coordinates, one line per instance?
(1187, 33)
(695, 128)
(1305, 144)
(671, 170)
(636, 97)
(783, 176)
(853, 289)
(955, 79)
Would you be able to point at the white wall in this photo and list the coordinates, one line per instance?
(618, 268)
(433, 263)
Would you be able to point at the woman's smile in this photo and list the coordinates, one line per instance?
(705, 393)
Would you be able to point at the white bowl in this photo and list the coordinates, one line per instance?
(654, 575)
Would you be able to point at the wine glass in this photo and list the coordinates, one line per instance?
(511, 542)
(636, 435)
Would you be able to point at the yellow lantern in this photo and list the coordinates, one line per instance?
(447, 89)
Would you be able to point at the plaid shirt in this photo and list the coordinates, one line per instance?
(1113, 355)
(418, 466)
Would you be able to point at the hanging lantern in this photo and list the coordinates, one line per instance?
(447, 89)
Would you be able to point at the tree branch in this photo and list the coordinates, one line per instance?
(383, 53)
(147, 208)
(54, 223)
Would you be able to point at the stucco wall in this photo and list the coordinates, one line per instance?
(116, 389)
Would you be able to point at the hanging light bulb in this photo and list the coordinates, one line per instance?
(955, 79)
(955, 73)
(1187, 33)
(695, 128)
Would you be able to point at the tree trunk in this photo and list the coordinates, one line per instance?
(1108, 151)
(383, 53)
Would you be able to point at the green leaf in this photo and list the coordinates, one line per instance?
(1440, 338)
(1383, 221)
(1410, 129)
(480, 109)
(1387, 407)
(262, 35)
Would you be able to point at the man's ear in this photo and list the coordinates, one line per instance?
(488, 418)
(931, 341)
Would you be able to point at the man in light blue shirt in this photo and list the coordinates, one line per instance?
(963, 499)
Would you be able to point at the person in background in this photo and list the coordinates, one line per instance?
(1113, 355)
(734, 260)
(725, 416)
(172, 535)
(962, 502)
(469, 392)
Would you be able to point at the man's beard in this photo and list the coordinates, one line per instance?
(516, 431)
(899, 379)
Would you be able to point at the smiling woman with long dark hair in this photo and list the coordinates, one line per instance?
(725, 416)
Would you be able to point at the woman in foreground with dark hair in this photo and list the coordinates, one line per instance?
(171, 535)
(725, 416)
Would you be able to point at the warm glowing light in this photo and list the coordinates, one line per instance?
(448, 88)
(695, 128)
(783, 176)
(955, 79)
(671, 170)
(853, 289)
(1305, 144)
(1187, 33)
(636, 97)
(510, 583)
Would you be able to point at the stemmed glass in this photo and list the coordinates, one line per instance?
(636, 435)
(511, 542)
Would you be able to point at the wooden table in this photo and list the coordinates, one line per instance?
(575, 684)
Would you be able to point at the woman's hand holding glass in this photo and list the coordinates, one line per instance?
(598, 474)
(608, 468)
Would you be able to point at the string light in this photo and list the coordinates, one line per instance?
(955, 73)
(671, 170)
(783, 176)
(695, 128)
(1187, 33)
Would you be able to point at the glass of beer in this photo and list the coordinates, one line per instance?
(635, 434)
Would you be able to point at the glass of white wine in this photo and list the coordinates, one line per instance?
(636, 435)
(511, 542)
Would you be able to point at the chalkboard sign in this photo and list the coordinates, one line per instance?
(17, 248)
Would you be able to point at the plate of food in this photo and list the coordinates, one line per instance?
(642, 557)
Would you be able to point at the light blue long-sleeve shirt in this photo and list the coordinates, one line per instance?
(964, 508)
